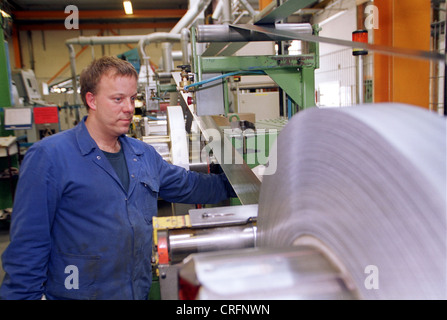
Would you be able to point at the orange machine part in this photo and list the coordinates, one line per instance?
(162, 248)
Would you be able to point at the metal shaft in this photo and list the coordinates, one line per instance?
(360, 86)
(183, 242)
(225, 33)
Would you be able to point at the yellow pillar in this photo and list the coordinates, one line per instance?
(402, 24)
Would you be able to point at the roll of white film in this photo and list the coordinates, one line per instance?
(366, 184)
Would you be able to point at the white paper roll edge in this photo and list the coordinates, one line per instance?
(177, 132)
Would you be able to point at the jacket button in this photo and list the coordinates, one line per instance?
(98, 157)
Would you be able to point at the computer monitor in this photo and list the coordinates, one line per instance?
(18, 118)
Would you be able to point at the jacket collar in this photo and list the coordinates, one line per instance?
(87, 144)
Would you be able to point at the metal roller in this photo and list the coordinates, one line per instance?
(201, 231)
(214, 229)
(276, 33)
(225, 33)
(366, 186)
(183, 242)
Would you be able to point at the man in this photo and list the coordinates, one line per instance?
(82, 221)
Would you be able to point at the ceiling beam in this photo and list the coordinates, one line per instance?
(100, 26)
(99, 14)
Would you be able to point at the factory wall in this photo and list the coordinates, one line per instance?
(335, 80)
(403, 24)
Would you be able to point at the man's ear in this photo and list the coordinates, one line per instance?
(91, 101)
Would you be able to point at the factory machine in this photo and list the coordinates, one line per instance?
(25, 119)
(355, 210)
(233, 140)
(30, 116)
(351, 203)
(345, 203)
(337, 203)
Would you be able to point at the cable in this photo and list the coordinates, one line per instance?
(235, 73)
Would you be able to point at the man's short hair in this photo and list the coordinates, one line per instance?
(92, 74)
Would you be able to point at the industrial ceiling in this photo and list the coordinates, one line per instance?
(97, 4)
(48, 14)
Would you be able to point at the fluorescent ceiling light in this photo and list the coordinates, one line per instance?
(128, 7)
(4, 14)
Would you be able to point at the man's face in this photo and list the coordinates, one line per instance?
(113, 105)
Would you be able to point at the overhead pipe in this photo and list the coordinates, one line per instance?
(191, 15)
(95, 40)
(168, 62)
(174, 35)
(227, 16)
(248, 6)
(223, 8)
(153, 37)
(103, 40)
(91, 41)
(185, 34)
(217, 11)
(177, 55)
(72, 54)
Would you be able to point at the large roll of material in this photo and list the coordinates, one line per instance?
(366, 185)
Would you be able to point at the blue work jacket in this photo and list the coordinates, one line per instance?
(76, 233)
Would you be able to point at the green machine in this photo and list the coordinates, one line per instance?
(238, 145)
(207, 84)
(293, 74)
(7, 179)
(214, 64)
